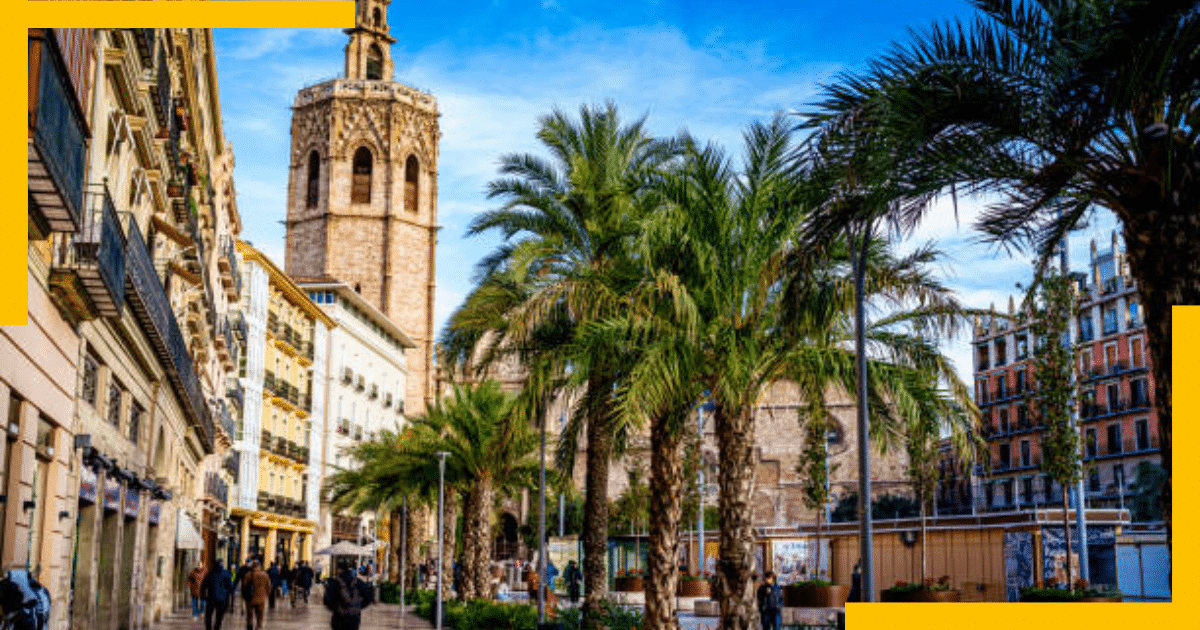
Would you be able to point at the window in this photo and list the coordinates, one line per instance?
(1023, 417)
(1114, 438)
(1137, 356)
(1110, 357)
(1109, 313)
(314, 180)
(1027, 490)
(1001, 385)
(1008, 492)
(1119, 476)
(91, 371)
(374, 63)
(411, 170)
(981, 386)
(1021, 378)
(1004, 426)
(1005, 456)
(1135, 314)
(376, 18)
(1085, 361)
(1142, 430)
(360, 188)
(114, 403)
(1022, 347)
(1085, 327)
(135, 421)
(1026, 457)
(1048, 487)
(1094, 481)
(1091, 443)
(1138, 395)
(1001, 351)
(981, 356)
(1114, 397)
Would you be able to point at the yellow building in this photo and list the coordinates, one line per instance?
(275, 505)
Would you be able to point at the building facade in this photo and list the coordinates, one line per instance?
(362, 189)
(276, 507)
(1117, 420)
(365, 384)
(126, 158)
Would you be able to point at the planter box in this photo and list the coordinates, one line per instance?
(628, 584)
(1058, 599)
(694, 588)
(1101, 599)
(815, 596)
(920, 595)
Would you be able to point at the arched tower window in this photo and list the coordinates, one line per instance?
(374, 63)
(411, 170)
(360, 189)
(376, 17)
(314, 179)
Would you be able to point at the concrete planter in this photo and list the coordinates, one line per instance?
(920, 595)
(808, 596)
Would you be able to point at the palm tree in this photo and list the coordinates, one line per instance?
(1058, 107)
(491, 454)
(568, 224)
(732, 303)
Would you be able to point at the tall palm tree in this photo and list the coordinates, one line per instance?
(730, 303)
(568, 224)
(1058, 106)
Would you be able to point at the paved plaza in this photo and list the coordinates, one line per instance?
(304, 617)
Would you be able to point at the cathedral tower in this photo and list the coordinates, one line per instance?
(362, 189)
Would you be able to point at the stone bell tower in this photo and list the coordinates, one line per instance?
(362, 189)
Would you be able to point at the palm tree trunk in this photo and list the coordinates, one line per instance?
(735, 583)
(666, 507)
(394, 551)
(595, 526)
(417, 519)
(449, 524)
(466, 587)
(924, 543)
(478, 562)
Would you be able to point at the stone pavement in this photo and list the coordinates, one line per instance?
(304, 617)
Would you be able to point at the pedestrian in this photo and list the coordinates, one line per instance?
(551, 574)
(856, 583)
(273, 575)
(345, 597)
(256, 588)
(238, 576)
(457, 580)
(573, 576)
(193, 581)
(304, 580)
(770, 603)
(285, 581)
(422, 570)
(217, 592)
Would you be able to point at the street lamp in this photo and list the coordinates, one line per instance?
(442, 455)
(541, 578)
(403, 553)
(706, 405)
(864, 448)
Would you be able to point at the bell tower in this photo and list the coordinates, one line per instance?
(362, 189)
(369, 52)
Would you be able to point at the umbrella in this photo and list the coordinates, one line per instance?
(344, 548)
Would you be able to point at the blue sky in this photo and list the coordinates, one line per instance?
(496, 66)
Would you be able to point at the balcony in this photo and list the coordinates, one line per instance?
(232, 464)
(216, 488)
(387, 401)
(227, 264)
(237, 394)
(237, 323)
(149, 303)
(87, 273)
(57, 136)
(374, 393)
(226, 419)
(360, 383)
(347, 376)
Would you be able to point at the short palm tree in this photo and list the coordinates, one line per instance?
(1057, 106)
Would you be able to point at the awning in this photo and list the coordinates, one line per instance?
(186, 536)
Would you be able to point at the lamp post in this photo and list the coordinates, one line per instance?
(864, 447)
(441, 515)
(541, 578)
(403, 553)
(707, 404)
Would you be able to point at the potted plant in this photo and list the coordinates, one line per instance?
(1081, 593)
(815, 594)
(928, 591)
(628, 581)
(695, 585)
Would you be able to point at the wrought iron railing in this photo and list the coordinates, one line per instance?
(96, 253)
(149, 303)
(58, 132)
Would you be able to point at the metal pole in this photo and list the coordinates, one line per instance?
(1077, 491)
(562, 515)
(441, 516)
(541, 603)
(700, 494)
(864, 444)
(403, 554)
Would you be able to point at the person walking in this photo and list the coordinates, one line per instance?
(573, 576)
(770, 603)
(239, 578)
(856, 583)
(256, 588)
(193, 581)
(304, 581)
(286, 575)
(346, 596)
(273, 575)
(217, 592)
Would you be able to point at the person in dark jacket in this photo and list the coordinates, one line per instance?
(273, 573)
(238, 578)
(770, 603)
(573, 576)
(346, 596)
(304, 580)
(217, 591)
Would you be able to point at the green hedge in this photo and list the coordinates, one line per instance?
(483, 614)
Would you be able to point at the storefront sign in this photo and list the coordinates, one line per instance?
(112, 494)
(154, 511)
(131, 502)
(87, 484)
